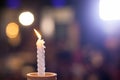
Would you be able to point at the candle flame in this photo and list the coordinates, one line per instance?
(37, 33)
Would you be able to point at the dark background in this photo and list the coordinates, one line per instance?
(91, 53)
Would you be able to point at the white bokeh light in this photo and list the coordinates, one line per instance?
(109, 9)
(26, 18)
(47, 26)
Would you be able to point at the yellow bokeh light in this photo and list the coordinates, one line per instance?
(12, 30)
(15, 41)
(26, 18)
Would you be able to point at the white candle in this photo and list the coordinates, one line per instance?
(40, 54)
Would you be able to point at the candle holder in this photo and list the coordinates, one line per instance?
(47, 76)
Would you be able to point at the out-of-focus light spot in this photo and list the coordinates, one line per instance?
(97, 59)
(93, 77)
(27, 69)
(26, 18)
(15, 41)
(78, 69)
(111, 43)
(109, 9)
(12, 30)
(64, 15)
(58, 3)
(13, 3)
(47, 26)
(14, 63)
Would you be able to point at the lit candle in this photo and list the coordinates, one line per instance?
(40, 54)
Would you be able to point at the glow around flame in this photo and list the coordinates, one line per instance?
(37, 33)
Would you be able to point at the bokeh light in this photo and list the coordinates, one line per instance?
(26, 18)
(14, 63)
(109, 9)
(47, 26)
(13, 3)
(97, 59)
(12, 30)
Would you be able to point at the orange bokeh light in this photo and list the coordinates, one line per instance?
(12, 30)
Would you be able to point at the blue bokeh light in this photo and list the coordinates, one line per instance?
(58, 3)
(13, 3)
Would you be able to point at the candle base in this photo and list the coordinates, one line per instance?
(48, 76)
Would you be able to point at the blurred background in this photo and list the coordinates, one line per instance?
(81, 38)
